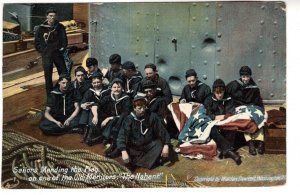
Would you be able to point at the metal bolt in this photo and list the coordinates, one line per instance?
(262, 7)
(219, 19)
(275, 22)
(219, 35)
(260, 51)
(146, 54)
(218, 63)
(206, 34)
(157, 14)
(274, 51)
(271, 94)
(204, 77)
(194, 4)
(262, 22)
(137, 25)
(193, 46)
(156, 55)
(206, 19)
(205, 62)
(207, 4)
(137, 38)
(259, 65)
(194, 18)
(220, 5)
(274, 37)
(284, 95)
(138, 12)
(273, 65)
(276, 7)
(273, 80)
(136, 52)
(217, 77)
(218, 49)
(261, 36)
(113, 46)
(259, 80)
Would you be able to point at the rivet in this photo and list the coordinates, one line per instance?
(271, 94)
(259, 65)
(217, 77)
(147, 13)
(157, 29)
(262, 22)
(275, 22)
(218, 49)
(261, 36)
(193, 46)
(194, 32)
(259, 80)
(194, 18)
(273, 80)
(284, 95)
(218, 63)
(102, 28)
(220, 5)
(276, 7)
(206, 34)
(146, 54)
(156, 55)
(207, 4)
(194, 4)
(138, 12)
(206, 19)
(219, 19)
(157, 14)
(137, 25)
(262, 7)
(136, 52)
(137, 38)
(204, 77)
(274, 51)
(205, 62)
(260, 51)
(219, 35)
(274, 37)
(157, 42)
(113, 46)
(273, 65)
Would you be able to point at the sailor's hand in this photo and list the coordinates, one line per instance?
(125, 157)
(67, 122)
(165, 151)
(95, 120)
(60, 124)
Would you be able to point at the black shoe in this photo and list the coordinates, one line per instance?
(261, 147)
(252, 149)
(234, 156)
(115, 153)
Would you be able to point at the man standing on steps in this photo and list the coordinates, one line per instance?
(51, 41)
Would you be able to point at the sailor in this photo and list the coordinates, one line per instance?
(143, 139)
(162, 85)
(195, 91)
(80, 83)
(50, 41)
(62, 110)
(113, 108)
(115, 70)
(131, 78)
(89, 116)
(244, 91)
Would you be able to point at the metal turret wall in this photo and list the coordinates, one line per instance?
(214, 38)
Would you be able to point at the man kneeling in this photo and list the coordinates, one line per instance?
(143, 139)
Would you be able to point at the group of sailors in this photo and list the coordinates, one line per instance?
(129, 112)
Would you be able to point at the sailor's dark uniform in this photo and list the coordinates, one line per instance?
(132, 84)
(62, 106)
(196, 94)
(143, 139)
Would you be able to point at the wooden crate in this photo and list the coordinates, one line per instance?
(275, 140)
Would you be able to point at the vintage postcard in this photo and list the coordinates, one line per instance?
(144, 94)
